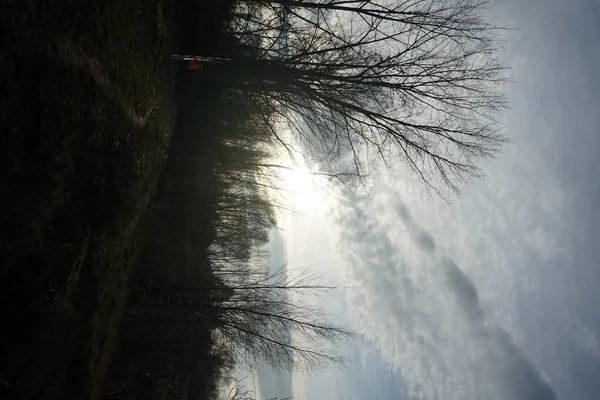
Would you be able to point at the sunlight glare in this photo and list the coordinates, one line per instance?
(299, 184)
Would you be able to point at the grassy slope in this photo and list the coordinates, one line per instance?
(141, 368)
(76, 174)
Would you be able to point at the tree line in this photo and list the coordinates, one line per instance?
(355, 82)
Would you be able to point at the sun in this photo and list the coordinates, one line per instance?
(297, 179)
(300, 186)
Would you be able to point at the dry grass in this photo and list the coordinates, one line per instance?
(77, 172)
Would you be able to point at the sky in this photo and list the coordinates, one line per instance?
(492, 295)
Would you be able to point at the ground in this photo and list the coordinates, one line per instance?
(86, 115)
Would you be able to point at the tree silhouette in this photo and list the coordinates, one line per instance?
(417, 80)
(265, 321)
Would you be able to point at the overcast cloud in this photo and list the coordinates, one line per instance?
(493, 296)
(470, 300)
(427, 317)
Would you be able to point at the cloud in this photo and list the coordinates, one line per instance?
(422, 238)
(270, 384)
(509, 279)
(426, 316)
(464, 290)
(582, 336)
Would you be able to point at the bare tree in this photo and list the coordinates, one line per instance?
(414, 79)
(265, 321)
(261, 319)
(239, 391)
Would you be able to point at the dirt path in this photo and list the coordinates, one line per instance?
(69, 53)
(65, 51)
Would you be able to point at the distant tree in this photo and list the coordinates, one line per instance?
(264, 320)
(239, 391)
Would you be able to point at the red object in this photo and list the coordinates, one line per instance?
(195, 65)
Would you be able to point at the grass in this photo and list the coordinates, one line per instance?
(86, 117)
